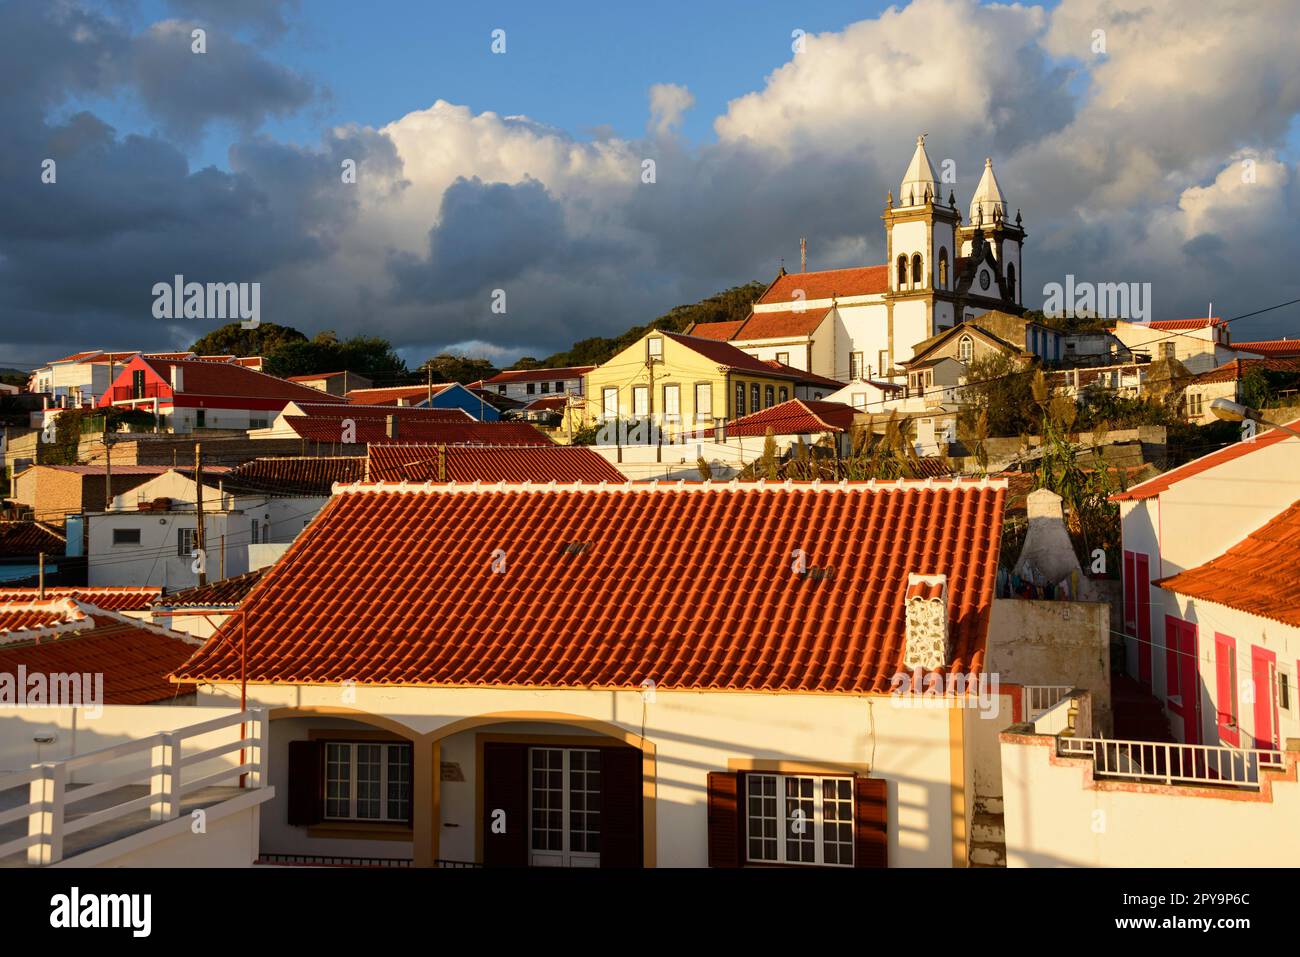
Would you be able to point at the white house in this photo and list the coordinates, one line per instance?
(1199, 344)
(150, 535)
(860, 323)
(616, 685)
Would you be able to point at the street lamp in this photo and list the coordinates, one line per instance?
(1231, 411)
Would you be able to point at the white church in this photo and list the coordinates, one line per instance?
(860, 323)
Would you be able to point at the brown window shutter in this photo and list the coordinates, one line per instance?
(505, 788)
(620, 819)
(871, 822)
(725, 817)
(306, 782)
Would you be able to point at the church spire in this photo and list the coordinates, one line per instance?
(987, 203)
(919, 182)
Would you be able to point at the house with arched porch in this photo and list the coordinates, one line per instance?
(652, 674)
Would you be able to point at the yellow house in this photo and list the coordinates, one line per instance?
(688, 384)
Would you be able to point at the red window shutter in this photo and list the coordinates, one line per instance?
(724, 819)
(505, 788)
(620, 818)
(871, 822)
(306, 801)
(1225, 653)
(1130, 593)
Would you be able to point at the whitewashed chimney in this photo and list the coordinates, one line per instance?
(926, 604)
(178, 377)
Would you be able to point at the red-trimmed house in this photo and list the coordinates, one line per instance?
(1211, 610)
(191, 394)
(621, 675)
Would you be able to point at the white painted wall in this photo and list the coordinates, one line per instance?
(1056, 817)
(694, 733)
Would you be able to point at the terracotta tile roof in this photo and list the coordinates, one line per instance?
(1279, 348)
(294, 476)
(1236, 450)
(475, 463)
(324, 423)
(17, 617)
(227, 593)
(315, 378)
(828, 283)
(78, 356)
(687, 585)
(393, 394)
(108, 597)
(21, 539)
(796, 417)
(1259, 575)
(233, 380)
(1184, 325)
(536, 375)
(547, 403)
(721, 331)
(725, 354)
(134, 658)
(783, 324)
(427, 431)
(1234, 370)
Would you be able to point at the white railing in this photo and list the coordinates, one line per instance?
(1201, 764)
(1036, 700)
(50, 797)
(1054, 719)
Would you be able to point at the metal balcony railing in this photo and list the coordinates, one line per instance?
(1197, 764)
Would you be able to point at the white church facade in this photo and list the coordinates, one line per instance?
(861, 323)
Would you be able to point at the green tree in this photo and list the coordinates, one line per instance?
(449, 367)
(1000, 389)
(234, 340)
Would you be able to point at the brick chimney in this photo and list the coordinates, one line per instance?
(926, 606)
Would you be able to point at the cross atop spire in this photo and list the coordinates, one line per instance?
(919, 180)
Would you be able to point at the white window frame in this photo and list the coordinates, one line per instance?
(640, 401)
(855, 366)
(565, 855)
(606, 394)
(704, 411)
(966, 349)
(783, 817)
(654, 349)
(783, 358)
(184, 537)
(673, 403)
(386, 763)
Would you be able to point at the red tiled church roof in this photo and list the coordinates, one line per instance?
(474, 463)
(796, 417)
(720, 331)
(1259, 575)
(828, 283)
(687, 585)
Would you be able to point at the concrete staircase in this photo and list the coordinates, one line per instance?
(1139, 716)
(988, 845)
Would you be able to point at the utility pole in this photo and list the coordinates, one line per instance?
(428, 378)
(108, 468)
(198, 509)
(41, 576)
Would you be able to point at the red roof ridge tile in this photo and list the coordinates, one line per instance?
(670, 485)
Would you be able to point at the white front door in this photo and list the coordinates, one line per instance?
(564, 807)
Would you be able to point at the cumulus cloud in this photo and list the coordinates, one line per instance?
(668, 104)
(1126, 165)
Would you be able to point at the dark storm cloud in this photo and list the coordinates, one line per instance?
(231, 81)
